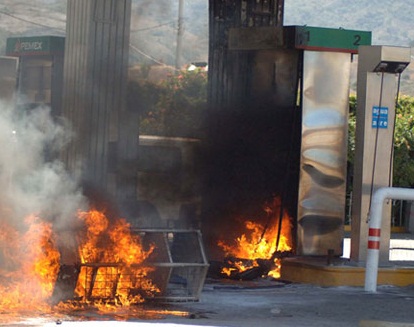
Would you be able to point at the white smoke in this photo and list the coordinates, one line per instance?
(32, 179)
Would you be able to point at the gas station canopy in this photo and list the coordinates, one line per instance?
(326, 39)
(35, 46)
(298, 37)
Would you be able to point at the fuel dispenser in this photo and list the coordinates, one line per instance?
(326, 60)
(297, 79)
(40, 76)
(8, 78)
(377, 85)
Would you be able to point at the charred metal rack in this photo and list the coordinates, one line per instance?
(106, 281)
(177, 267)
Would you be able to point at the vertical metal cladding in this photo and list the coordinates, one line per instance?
(96, 62)
(322, 186)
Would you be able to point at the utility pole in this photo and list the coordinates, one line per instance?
(180, 32)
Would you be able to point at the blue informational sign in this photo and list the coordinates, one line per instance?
(379, 117)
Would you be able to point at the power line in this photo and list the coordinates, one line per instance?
(147, 56)
(151, 28)
(31, 22)
(60, 29)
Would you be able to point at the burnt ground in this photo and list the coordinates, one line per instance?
(260, 304)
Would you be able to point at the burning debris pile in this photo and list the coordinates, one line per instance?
(31, 264)
(58, 254)
(37, 198)
(259, 250)
(112, 262)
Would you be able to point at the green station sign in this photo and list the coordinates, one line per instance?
(326, 39)
(35, 46)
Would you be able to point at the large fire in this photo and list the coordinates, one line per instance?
(112, 259)
(260, 242)
(111, 263)
(29, 265)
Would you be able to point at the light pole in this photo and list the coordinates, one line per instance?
(180, 32)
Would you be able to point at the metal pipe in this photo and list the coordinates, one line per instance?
(374, 231)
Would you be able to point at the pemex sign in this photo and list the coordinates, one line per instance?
(35, 45)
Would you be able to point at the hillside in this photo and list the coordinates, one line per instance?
(154, 30)
(391, 22)
(154, 24)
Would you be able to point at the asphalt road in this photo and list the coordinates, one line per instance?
(254, 304)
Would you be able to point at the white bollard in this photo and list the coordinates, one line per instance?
(374, 231)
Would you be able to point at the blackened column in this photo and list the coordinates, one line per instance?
(95, 77)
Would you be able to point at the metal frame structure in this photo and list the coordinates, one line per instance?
(177, 267)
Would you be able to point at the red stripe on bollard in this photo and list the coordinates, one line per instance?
(373, 245)
(374, 232)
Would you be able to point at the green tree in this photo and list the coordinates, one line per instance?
(403, 172)
(403, 165)
(175, 107)
(351, 129)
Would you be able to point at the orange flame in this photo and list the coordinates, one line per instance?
(30, 264)
(111, 264)
(260, 243)
(112, 258)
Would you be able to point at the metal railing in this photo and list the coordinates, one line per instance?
(374, 233)
(399, 212)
